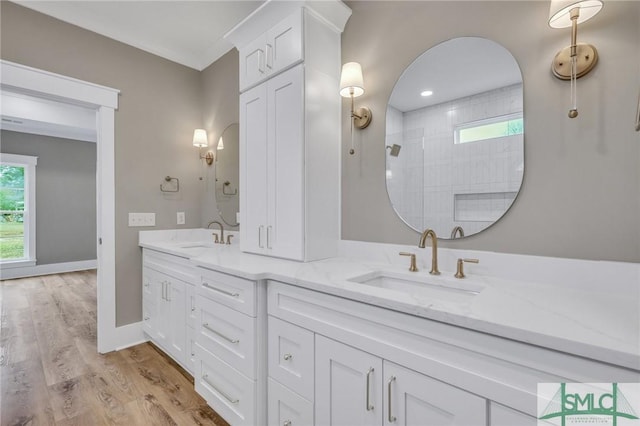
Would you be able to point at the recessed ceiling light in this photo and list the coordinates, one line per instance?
(426, 93)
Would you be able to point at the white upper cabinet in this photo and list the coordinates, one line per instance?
(272, 52)
(290, 128)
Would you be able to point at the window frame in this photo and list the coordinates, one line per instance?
(29, 216)
(484, 122)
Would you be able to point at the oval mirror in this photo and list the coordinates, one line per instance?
(227, 175)
(455, 138)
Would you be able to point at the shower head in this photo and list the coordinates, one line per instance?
(395, 149)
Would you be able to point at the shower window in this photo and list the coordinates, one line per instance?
(17, 210)
(491, 128)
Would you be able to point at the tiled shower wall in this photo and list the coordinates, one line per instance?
(434, 183)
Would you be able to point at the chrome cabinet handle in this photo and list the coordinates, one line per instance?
(369, 406)
(269, 54)
(268, 234)
(287, 423)
(164, 283)
(261, 61)
(219, 290)
(391, 380)
(260, 228)
(168, 291)
(287, 357)
(146, 318)
(206, 325)
(233, 401)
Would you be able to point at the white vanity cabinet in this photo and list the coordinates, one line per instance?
(377, 366)
(229, 370)
(271, 52)
(290, 137)
(167, 281)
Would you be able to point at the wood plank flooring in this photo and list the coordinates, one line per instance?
(51, 373)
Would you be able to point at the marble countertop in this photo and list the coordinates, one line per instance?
(596, 323)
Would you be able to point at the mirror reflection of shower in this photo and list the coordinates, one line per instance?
(395, 149)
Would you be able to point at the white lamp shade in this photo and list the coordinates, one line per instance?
(200, 138)
(559, 16)
(220, 143)
(351, 80)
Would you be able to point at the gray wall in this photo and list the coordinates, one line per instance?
(159, 106)
(220, 108)
(65, 195)
(581, 192)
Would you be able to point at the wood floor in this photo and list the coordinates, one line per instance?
(51, 374)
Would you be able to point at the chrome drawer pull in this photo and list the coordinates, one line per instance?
(369, 405)
(219, 290)
(287, 423)
(391, 380)
(287, 357)
(233, 401)
(206, 325)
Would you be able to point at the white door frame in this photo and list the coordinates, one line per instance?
(104, 100)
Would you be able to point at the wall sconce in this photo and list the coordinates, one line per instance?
(576, 60)
(352, 86)
(200, 140)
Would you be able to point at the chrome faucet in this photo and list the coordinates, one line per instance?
(434, 249)
(457, 230)
(221, 240)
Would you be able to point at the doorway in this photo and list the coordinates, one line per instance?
(25, 80)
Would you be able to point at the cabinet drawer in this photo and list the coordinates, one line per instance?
(228, 392)
(228, 334)
(291, 356)
(286, 407)
(234, 292)
(174, 266)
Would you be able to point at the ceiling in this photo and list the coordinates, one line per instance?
(187, 32)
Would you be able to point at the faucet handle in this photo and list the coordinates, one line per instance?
(216, 238)
(229, 237)
(460, 269)
(412, 267)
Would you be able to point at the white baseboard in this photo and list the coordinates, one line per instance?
(53, 268)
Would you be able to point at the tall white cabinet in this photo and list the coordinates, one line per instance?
(290, 129)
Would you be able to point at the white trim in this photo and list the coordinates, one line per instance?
(19, 160)
(129, 335)
(24, 79)
(28, 163)
(11, 271)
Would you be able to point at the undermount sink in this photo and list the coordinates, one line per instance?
(198, 245)
(421, 284)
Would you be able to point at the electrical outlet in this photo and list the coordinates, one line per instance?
(142, 219)
(180, 218)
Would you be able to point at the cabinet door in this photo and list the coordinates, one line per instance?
(253, 62)
(284, 43)
(412, 398)
(285, 156)
(504, 416)
(177, 334)
(253, 169)
(348, 385)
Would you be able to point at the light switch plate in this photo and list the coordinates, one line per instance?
(180, 218)
(142, 219)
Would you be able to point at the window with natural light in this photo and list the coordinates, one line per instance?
(497, 127)
(17, 209)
